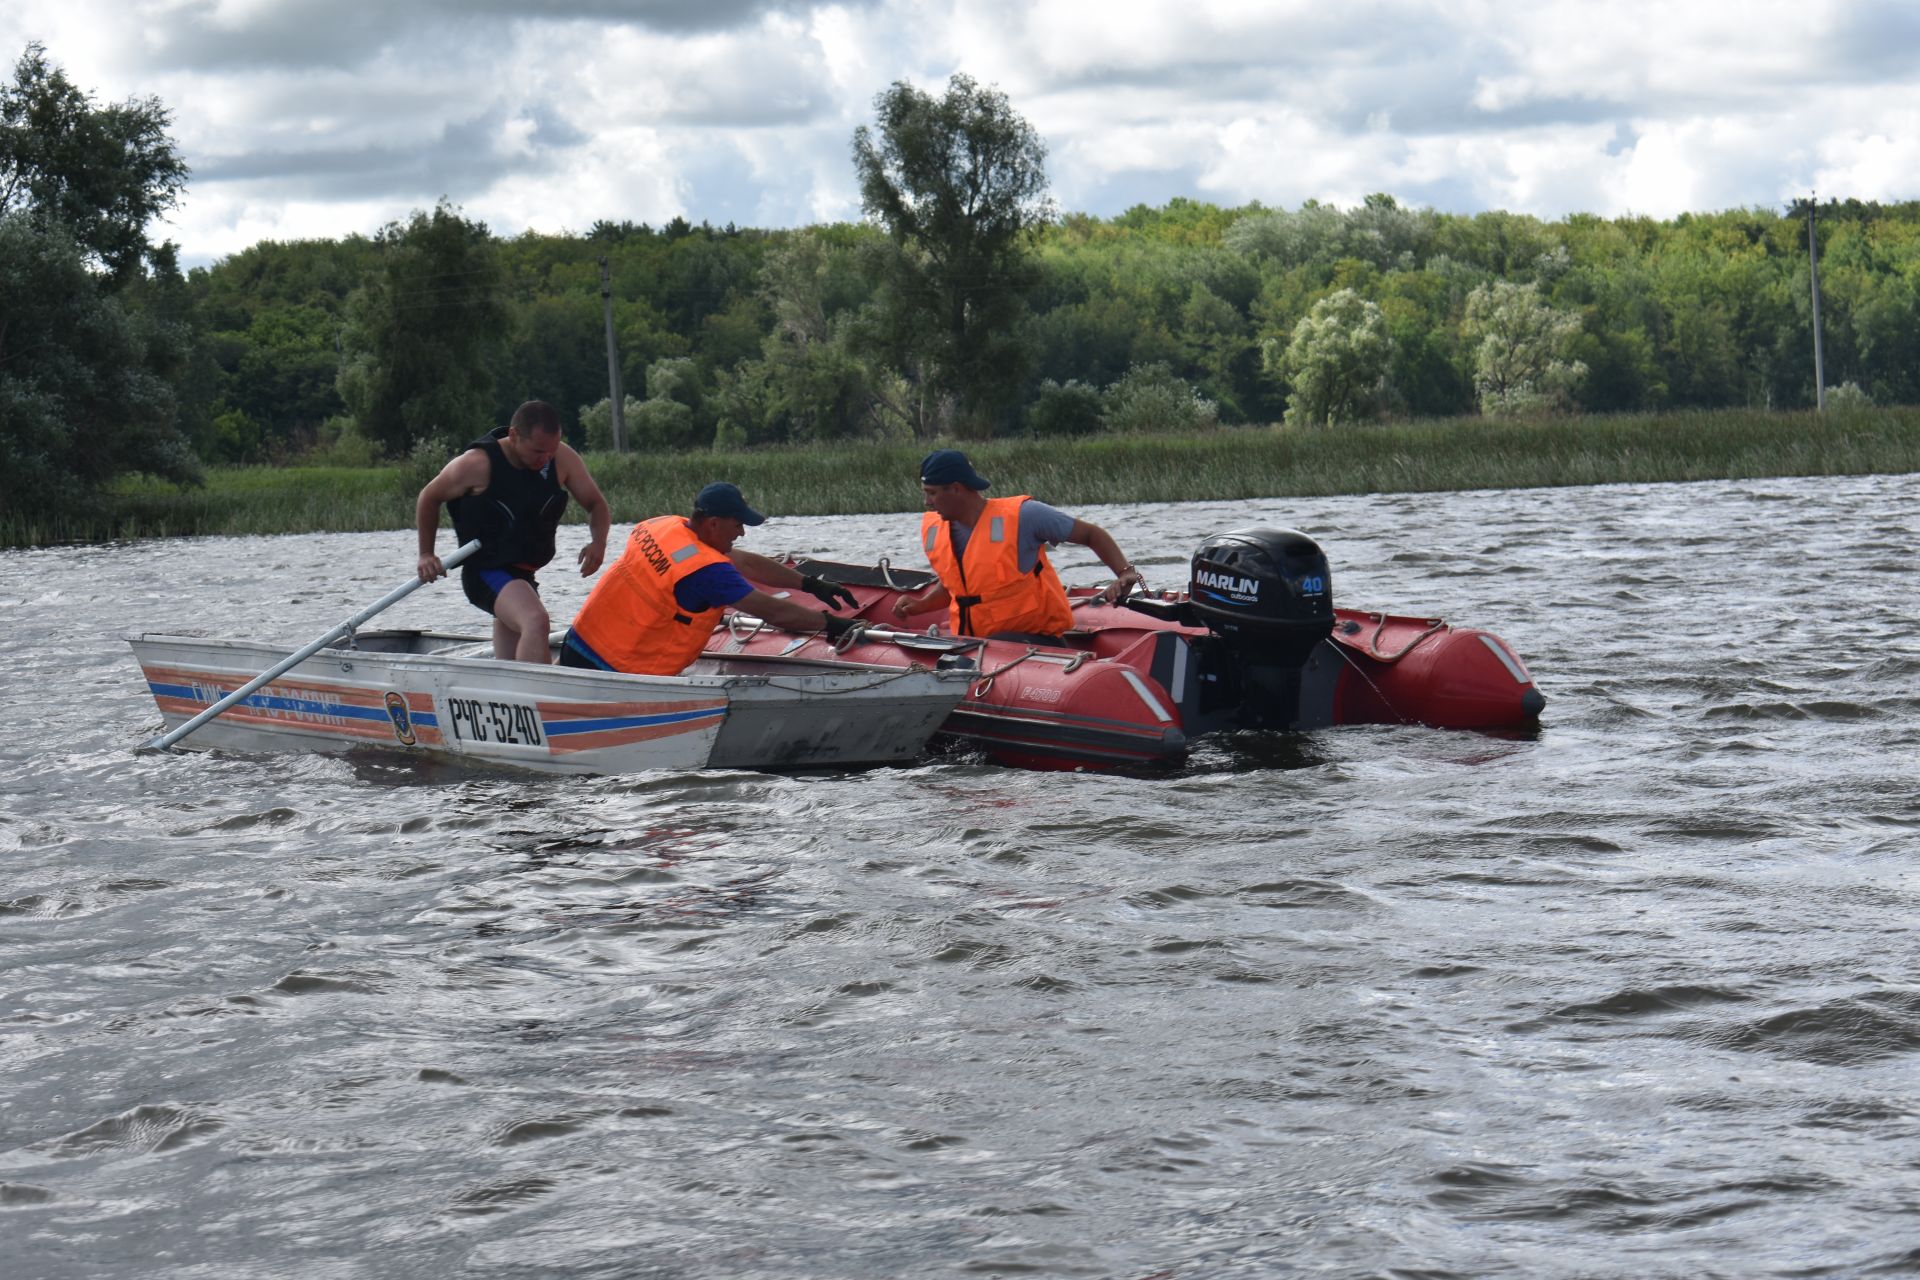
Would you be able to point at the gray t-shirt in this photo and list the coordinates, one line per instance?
(1039, 524)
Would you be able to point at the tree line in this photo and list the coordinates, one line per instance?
(1160, 318)
(963, 306)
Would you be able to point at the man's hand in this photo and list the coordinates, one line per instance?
(590, 557)
(831, 594)
(430, 567)
(836, 626)
(1122, 586)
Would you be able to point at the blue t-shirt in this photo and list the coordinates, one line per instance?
(714, 587)
(1039, 524)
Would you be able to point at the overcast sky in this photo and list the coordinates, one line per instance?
(306, 118)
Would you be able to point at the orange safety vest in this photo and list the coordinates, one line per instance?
(990, 593)
(631, 618)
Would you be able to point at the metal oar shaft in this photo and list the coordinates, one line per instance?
(306, 651)
(955, 643)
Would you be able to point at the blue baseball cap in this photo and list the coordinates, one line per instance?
(950, 466)
(723, 499)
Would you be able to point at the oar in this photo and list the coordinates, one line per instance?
(300, 655)
(921, 640)
(909, 639)
(874, 631)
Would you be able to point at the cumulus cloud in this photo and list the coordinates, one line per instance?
(216, 35)
(325, 117)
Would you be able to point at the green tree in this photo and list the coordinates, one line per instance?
(1888, 325)
(1335, 362)
(1425, 373)
(671, 415)
(596, 421)
(1519, 344)
(264, 372)
(558, 353)
(1069, 408)
(1379, 232)
(85, 380)
(285, 375)
(817, 378)
(959, 183)
(426, 333)
(1316, 233)
(100, 173)
(93, 336)
(1152, 398)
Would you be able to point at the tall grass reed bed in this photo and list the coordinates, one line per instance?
(1254, 462)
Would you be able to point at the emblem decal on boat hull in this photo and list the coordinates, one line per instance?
(402, 719)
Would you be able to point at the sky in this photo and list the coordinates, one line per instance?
(324, 118)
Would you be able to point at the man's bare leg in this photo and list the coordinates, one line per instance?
(520, 624)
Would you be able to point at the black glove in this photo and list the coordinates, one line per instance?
(836, 626)
(831, 594)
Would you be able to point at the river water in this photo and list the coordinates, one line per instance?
(1637, 996)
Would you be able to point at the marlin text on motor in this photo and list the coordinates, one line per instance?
(1227, 583)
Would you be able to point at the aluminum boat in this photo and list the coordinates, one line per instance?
(442, 695)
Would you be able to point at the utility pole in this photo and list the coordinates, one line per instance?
(1813, 262)
(617, 398)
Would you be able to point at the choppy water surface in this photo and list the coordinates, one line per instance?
(1635, 997)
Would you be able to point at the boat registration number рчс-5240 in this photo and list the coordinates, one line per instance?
(485, 720)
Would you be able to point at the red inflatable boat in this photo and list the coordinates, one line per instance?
(1254, 643)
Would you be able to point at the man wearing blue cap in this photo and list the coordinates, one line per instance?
(653, 609)
(990, 555)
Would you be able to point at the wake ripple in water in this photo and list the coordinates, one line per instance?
(1622, 997)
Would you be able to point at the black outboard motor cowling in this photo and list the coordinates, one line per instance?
(1267, 594)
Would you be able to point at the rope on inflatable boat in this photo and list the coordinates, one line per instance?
(1372, 650)
(1373, 641)
(984, 684)
(1361, 671)
(733, 627)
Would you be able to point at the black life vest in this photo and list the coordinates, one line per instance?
(515, 515)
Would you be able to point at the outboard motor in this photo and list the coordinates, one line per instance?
(1267, 595)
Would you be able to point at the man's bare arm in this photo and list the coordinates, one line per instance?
(466, 474)
(579, 482)
(1101, 543)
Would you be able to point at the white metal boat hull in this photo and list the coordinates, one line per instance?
(430, 695)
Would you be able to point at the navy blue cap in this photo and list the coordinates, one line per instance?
(950, 466)
(723, 499)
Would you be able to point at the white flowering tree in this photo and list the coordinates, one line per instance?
(1520, 342)
(1335, 362)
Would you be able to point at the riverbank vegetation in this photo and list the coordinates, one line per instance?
(1140, 357)
(1160, 319)
(1218, 465)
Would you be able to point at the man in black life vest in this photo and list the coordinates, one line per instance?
(509, 489)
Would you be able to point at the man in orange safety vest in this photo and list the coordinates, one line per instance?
(990, 555)
(652, 611)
